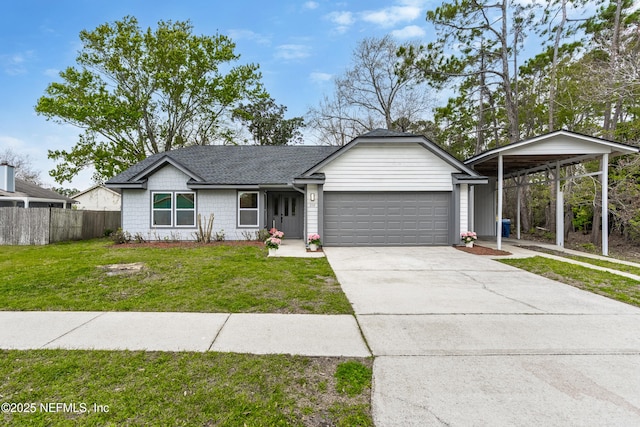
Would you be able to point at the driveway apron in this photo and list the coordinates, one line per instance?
(462, 339)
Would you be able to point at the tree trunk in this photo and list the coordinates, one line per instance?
(597, 217)
(554, 67)
(511, 105)
(525, 213)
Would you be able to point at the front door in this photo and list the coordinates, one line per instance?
(286, 213)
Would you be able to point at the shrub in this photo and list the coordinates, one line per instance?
(120, 236)
(139, 238)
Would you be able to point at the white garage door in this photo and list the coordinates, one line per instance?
(386, 218)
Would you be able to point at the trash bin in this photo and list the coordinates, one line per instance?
(506, 227)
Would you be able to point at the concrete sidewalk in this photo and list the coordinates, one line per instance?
(299, 334)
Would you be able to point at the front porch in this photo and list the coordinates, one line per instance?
(295, 248)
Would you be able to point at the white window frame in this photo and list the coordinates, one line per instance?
(173, 210)
(176, 209)
(154, 209)
(256, 209)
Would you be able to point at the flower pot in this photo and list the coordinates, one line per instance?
(313, 247)
(469, 244)
(273, 251)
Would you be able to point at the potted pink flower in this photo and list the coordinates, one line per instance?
(276, 233)
(468, 237)
(314, 242)
(274, 242)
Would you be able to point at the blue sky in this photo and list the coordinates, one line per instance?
(299, 45)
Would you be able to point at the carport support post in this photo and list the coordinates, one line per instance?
(499, 213)
(605, 204)
(519, 182)
(559, 209)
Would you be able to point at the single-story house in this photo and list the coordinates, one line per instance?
(15, 192)
(383, 188)
(98, 198)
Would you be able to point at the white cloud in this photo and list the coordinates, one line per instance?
(293, 51)
(318, 77)
(14, 64)
(51, 72)
(241, 34)
(409, 32)
(311, 5)
(343, 20)
(11, 142)
(390, 16)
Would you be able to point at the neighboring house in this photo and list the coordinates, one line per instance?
(383, 188)
(19, 193)
(98, 198)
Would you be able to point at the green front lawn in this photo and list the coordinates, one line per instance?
(593, 261)
(181, 389)
(196, 278)
(600, 282)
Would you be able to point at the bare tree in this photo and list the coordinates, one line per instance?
(23, 165)
(372, 93)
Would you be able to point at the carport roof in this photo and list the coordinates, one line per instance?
(545, 152)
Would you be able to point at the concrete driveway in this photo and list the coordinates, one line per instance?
(461, 340)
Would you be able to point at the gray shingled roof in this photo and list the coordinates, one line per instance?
(28, 189)
(241, 165)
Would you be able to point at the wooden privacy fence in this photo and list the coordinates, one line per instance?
(41, 226)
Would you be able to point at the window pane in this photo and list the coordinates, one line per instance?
(249, 218)
(185, 200)
(286, 206)
(249, 200)
(161, 217)
(293, 206)
(162, 201)
(185, 218)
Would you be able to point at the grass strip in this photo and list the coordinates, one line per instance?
(190, 278)
(604, 283)
(593, 261)
(94, 388)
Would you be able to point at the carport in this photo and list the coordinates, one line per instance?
(549, 152)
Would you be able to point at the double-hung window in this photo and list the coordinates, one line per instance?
(173, 209)
(248, 209)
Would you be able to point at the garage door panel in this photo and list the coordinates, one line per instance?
(441, 211)
(385, 218)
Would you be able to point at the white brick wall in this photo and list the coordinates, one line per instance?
(136, 208)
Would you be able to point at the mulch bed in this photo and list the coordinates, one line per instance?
(481, 250)
(190, 244)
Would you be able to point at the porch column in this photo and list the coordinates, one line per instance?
(499, 213)
(559, 209)
(605, 204)
(472, 208)
(519, 181)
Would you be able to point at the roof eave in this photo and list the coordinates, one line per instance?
(617, 147)
(215, 186)
(418, 139)
(142, 185)
(160, 163)
(467, 179)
